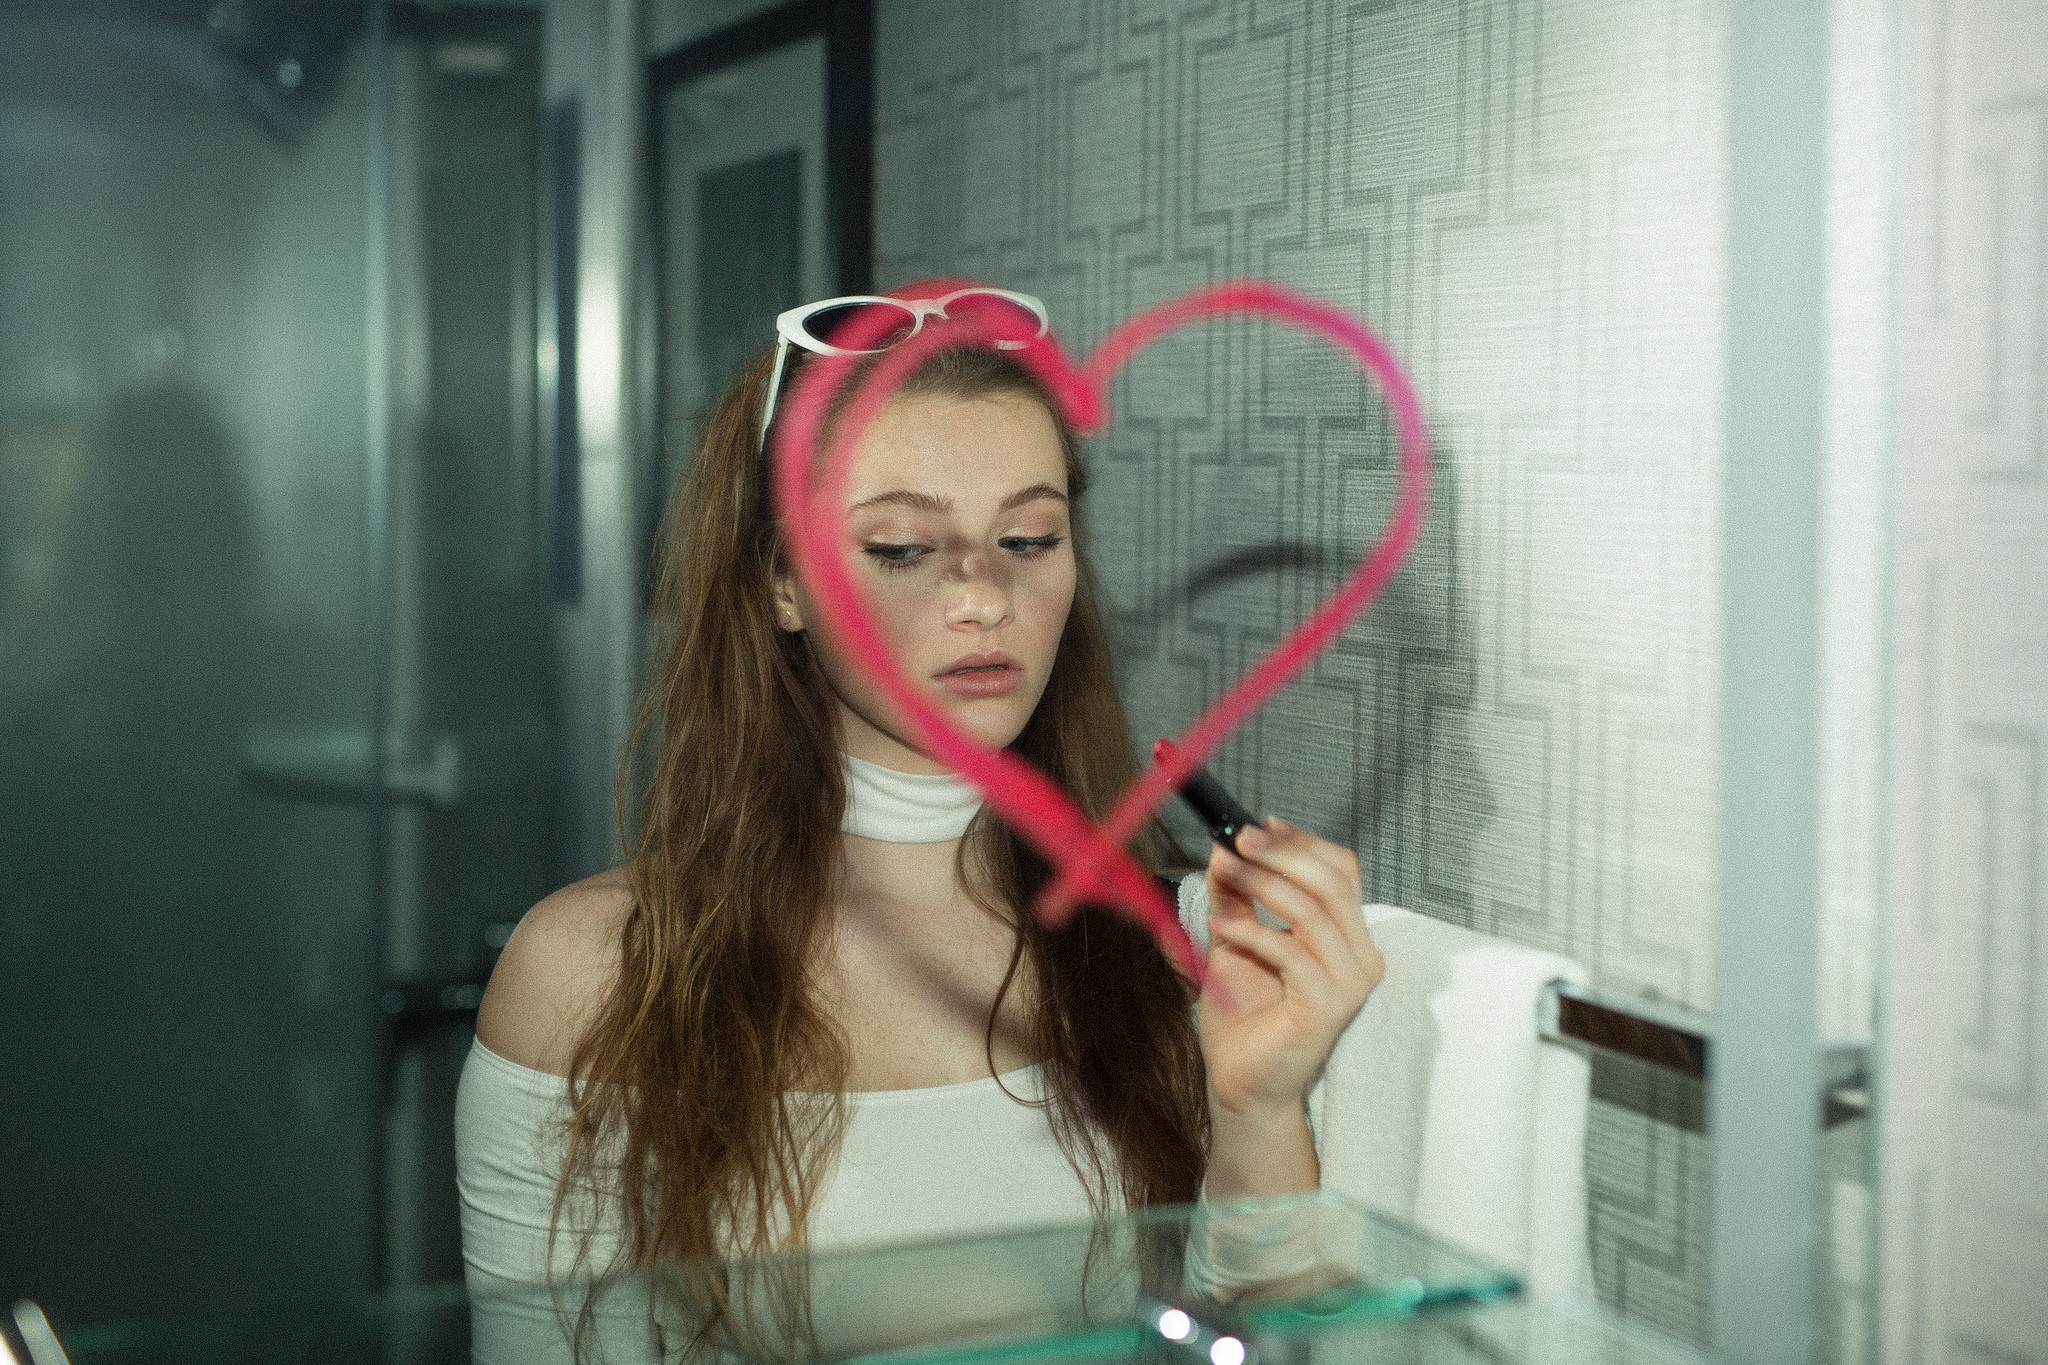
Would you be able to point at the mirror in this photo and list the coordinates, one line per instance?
(338, 415)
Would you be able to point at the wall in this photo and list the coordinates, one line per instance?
(1964, 1211)
(1522, 736)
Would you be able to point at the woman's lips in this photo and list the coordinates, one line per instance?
(971, 677)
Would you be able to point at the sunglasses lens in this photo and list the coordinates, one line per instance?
(862, 326)
(1007, 320)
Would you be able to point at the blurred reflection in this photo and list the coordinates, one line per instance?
(134, 901)
(155, 567)
(193, 997)
(39, 462)
(176, 388)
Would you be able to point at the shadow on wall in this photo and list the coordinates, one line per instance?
(1370, 747)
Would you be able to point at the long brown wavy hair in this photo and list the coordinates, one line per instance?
(707, 1093)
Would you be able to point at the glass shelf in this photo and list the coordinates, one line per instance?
(1236, 1284)
(1512, 1332)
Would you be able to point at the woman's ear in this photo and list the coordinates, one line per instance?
(788, 614)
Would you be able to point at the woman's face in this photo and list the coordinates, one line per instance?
(957, 528)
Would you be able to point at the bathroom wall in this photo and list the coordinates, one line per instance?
(1522, 736)
(1964, 1088)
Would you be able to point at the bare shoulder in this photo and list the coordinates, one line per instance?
(555, 971)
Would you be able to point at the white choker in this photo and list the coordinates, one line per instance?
(905, 808)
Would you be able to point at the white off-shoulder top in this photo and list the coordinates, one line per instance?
(913, 1164)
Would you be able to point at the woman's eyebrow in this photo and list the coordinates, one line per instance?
(1031, 494)
(903, 497)
(931, 502)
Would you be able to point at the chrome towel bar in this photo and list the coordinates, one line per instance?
(1680, 1040)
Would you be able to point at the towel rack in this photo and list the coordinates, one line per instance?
(1680, 1040)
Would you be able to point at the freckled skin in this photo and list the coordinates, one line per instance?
(914, 964)
(973, 580)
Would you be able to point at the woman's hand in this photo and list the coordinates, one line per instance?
(1277, 999)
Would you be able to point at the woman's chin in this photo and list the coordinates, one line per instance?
(991, 722)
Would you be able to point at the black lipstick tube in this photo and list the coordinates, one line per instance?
(1217, 809)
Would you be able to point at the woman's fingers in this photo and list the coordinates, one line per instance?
(1282, 996)
(1330, 869)
(1227, 899)
(1282, 952)
(1312, 920)
(1301, 856)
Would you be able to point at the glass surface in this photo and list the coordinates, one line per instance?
(1089, 1290)
(1299, 1279)
(1568, 1332)
(195, 992)
(1080, 1290)
(182, 562)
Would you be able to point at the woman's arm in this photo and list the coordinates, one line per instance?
(1276, 1000)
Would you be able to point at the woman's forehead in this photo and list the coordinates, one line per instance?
(972, 452)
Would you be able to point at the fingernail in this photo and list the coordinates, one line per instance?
(1254, 838)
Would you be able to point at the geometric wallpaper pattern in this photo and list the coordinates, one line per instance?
(1522, 736)
(1529, 202)
(1965, 1127)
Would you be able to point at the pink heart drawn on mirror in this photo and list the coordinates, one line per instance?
(1092, 865)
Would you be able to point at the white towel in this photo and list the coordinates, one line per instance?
(1442, 1107)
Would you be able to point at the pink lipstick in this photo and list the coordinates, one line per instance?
(981, 675)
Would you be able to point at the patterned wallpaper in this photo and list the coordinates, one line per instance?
(1522, 736)
(1964, 1183)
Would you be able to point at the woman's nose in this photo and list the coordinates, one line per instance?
(979, 595)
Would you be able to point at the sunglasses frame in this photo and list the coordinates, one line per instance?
(793, 326)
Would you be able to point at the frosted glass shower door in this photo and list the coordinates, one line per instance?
(272, 703)
(182, 425)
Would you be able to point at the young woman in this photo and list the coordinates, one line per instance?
(813, 1009)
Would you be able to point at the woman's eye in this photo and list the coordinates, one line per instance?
(1030, 546)
(894, 557)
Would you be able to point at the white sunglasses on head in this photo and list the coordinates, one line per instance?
(1016, 319)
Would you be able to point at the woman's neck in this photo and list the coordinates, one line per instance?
(901, 840)
(859, 738)
(881, 871)
(914, 963)
(913, 969)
